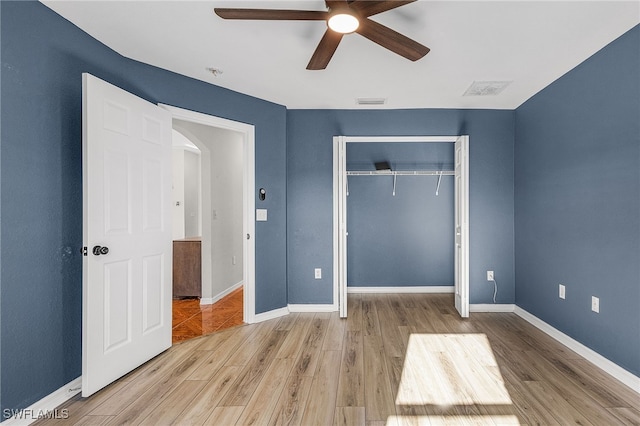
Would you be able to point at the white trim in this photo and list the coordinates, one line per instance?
(276, 313)
(411, 289)
(214, 299)
(337, 194)
(624, 376)
(249, 182)
(489, 307)
(420, 139)
(313, 308)
(47, 405)
(461, 223)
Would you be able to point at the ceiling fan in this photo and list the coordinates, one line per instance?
(343, 17)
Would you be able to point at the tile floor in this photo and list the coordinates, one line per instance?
(190, 319)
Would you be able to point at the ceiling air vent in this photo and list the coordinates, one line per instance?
(371, 101)
(486, 88)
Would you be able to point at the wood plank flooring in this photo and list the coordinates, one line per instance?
(397, 360)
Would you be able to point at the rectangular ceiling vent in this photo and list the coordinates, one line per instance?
(371, 101)
(486, 88)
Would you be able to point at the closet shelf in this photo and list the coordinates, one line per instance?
(400, 173)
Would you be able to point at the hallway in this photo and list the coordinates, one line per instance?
(190, 319)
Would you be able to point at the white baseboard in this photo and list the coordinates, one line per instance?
(490, 307)
(624, 376)
(313, 308)
(409, 289)
(276, 313)
(214, 299)
(46, 407)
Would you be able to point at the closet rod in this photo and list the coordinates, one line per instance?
(401, 173)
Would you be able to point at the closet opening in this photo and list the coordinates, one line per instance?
(401, 216)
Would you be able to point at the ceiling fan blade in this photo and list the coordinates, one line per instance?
(271, 14)
(368, 8)
(392, 40)
(325, 50)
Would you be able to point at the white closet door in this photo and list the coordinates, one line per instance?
(126, 314)
(340, 148)
(462, 225)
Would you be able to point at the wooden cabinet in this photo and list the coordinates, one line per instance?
(187, 267)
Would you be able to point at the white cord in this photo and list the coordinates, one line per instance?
(495, 290)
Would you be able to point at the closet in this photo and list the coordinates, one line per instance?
(401, 216)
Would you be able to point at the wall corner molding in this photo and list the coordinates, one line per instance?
(214, 299)
(45, 408)
(276, 313)
(313, 308)
(491, 307)
(626, 377)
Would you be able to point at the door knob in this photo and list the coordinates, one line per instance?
(98, 250)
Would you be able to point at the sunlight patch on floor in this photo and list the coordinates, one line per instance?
(449, 370)
(437, 420)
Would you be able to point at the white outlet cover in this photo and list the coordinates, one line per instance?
(318, 273)
(561, 291)
(595, 304)
(261, 215)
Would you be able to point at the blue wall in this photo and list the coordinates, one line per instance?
(577, 204)
(310, 191)
(406, 239)
(43, 56)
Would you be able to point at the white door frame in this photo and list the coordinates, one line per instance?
(340, 211)
(461, 211)
(248, 192)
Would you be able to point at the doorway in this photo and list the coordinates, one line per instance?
(226, 220)
(461, 213)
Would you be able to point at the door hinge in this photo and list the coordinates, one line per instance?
(83, 250)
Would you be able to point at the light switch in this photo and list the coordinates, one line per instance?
(261, 215)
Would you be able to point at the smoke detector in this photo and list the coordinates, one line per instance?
(486, 88)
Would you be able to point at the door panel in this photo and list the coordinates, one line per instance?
(117, 304)
(126, 196)
(152, 267)
(461, 275)
(342, 225)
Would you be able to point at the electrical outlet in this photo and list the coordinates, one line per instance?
(561, 291)
(318, 273)
(595, 304)
(233, 260)
(489, 275)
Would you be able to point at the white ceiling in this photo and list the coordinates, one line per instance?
(530, 43)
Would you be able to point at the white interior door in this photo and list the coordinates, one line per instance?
(126, 313)
(340, 184)
(461, 159)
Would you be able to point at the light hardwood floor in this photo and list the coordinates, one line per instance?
(397, 359)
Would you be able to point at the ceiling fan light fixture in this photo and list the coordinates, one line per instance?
(343, 22)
